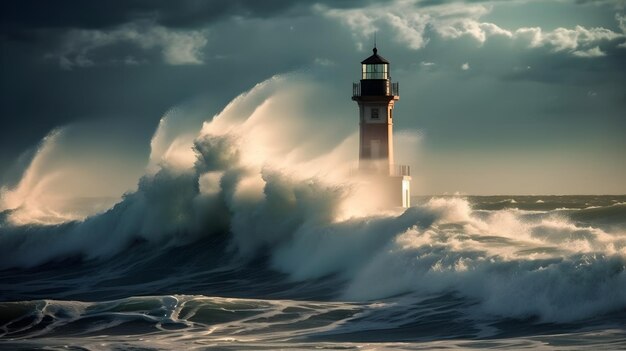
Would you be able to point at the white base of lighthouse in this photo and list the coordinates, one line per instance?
(406, 191)
(399, 191)
(388, 191)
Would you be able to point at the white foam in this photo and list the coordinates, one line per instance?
(280, 181)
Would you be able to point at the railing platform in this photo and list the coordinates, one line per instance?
(392, 89)
(400, 170)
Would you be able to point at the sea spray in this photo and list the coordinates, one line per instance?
(260, 216)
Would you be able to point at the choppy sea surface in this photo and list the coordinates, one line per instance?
(452, 272)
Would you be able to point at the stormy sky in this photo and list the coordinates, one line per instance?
(507, 97)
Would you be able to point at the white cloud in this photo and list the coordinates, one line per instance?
(402, 17)
(465, 66)
(593, 52)
(409, 22)
(409, 29)
(360, 22)
(621, 20)
(177, 47)
(471, 28)
(530, 35)
(562, 39)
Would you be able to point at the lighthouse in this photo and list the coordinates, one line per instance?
(376, 95)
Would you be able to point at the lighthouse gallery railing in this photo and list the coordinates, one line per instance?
(400, 170)
(392, 89)
(395, 170)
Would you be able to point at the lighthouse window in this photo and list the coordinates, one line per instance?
(374, 113)
(375, 71)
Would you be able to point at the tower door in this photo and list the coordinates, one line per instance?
(375, 149)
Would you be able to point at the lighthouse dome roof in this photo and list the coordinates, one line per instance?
(374, 58)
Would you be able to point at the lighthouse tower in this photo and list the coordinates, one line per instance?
(376, 96)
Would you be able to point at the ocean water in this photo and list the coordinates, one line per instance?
(249, 231)
(503, 272)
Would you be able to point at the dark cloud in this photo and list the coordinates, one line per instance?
(23, 15)
(38, 95)
(510, 94)
(97, 14)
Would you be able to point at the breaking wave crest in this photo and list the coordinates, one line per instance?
(260, 197)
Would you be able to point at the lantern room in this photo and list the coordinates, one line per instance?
(375, 78)
(375, 67)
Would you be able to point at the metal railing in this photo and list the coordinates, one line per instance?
(356, 169)
(391, 90)
(356, 89)
(395, 89)
(400, 170)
